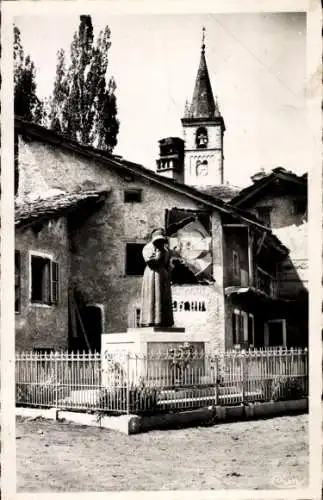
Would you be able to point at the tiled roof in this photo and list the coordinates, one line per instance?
(224, 191)
(29, 211)
(37, 132)
(278, 173)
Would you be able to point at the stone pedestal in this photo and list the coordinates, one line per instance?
(140, 352)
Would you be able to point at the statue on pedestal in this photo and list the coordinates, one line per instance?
(156, 296)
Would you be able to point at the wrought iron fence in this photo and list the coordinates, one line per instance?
(122, 382)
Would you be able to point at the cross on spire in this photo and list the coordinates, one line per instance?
(203, 39)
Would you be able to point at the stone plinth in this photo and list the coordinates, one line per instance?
(140, 351)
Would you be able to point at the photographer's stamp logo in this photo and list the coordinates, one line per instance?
(281, 477)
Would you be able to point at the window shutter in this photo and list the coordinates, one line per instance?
(46, 293)
(250, 329)
(235, 327)
(241, 329)
(54, 282)
(245, 326)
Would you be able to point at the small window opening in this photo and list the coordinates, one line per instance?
(133, 196)
(44, 280)
(263, 214)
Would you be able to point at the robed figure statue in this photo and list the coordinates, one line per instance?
(156, 296)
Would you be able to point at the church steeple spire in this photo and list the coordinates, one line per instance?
(203, 104)
(203, 131)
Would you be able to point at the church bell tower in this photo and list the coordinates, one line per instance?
(203, 128)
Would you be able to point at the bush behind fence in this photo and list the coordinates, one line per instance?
(123, 382)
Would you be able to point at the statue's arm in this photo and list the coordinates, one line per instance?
(151, 255)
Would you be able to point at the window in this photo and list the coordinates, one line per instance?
(263, 213)
(275, 332)
(133, 195)
(44, 280)
(251, 330)
(235, 264)
(17, 281)
(239, 327)
(135, 264)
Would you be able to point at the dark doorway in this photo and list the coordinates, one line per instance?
(85, 324)
(276, 335)
(93, 326)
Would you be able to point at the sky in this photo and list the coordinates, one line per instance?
(257, 67)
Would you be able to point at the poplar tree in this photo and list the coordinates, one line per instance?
(56, 103)
(83, 105)
(26, 103)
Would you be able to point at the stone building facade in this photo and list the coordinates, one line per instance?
(98, 247)
(279, 200)
(83, 216)
(40, 316)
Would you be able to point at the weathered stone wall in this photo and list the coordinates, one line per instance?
(99, 243)
(291, 229)
(293, 279)
(99, 257)
(40, 325)
(282, 213)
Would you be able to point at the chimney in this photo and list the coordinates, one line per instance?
(171, 158)
(258, 175)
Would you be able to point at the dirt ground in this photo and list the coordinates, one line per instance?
(263, 454)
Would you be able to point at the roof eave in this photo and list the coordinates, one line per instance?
(252, 190)
(42, 133)
(61, 212)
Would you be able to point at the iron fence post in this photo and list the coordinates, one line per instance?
(244, 377)
(216, 388)
(127, 385)
(56, 380)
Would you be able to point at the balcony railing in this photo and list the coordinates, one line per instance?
(266, 283)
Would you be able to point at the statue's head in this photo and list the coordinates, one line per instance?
(158, 237)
